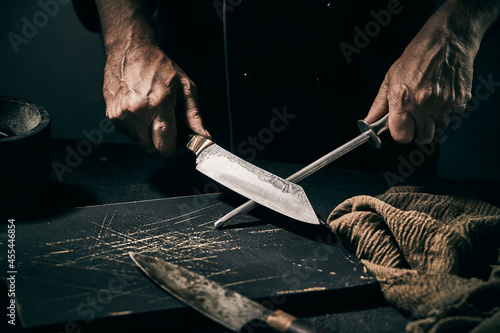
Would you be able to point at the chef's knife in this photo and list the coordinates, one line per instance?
(369, 132)
(222, 305)
(250, 181)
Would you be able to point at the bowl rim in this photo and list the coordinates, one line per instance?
(44, 120)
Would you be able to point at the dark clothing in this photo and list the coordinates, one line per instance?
(301, 73)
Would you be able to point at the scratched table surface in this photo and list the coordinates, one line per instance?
(74, 273)
(79, 269)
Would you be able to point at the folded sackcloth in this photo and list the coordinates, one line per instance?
(435, 255)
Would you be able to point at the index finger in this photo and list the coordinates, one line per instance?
(194, 119)
(380, 106)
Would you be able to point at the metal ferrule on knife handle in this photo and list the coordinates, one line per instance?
(282, 322)
(198, 143)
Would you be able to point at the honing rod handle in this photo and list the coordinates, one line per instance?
(374, 130)
(369, 132)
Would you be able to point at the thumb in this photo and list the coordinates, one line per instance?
(380, 106)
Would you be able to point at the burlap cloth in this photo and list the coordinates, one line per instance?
(436, 256)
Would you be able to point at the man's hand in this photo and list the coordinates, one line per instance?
(433, 77)
(142, 86)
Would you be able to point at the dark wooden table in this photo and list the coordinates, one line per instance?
(118, 174)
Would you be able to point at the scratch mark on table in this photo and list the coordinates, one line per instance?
(264, 231)
(283, 292)
(252, 280)
(92, 249)
(221, 272)
(57, 252)
(120, 313)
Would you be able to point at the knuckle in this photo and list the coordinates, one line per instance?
(399, 95)
(422, 96)
(402, 138)
(187, 84)
(459, 104)
(134, 103)
(154, 100)
(121, 114)
(401, 128)
(160, 126)
(466, 97)
(194, 113)
(111, 113)
(164, 148)
(399, 90)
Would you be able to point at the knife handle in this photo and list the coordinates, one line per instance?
(197, 143)
(282, 322)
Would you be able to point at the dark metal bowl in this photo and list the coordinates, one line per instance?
(24, 154)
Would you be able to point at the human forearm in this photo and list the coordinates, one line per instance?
(433, 77)
(466, 20)
(125, 21)
(142, 86)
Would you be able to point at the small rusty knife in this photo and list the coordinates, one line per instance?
(224, 306)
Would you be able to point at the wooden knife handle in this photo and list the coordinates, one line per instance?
(280, 321)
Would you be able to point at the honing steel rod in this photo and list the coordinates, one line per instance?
(369, 132)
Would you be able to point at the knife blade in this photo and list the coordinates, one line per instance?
(251, 181)
(226, 307)
(369, 133)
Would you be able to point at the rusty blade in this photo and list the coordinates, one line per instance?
(222, 305)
